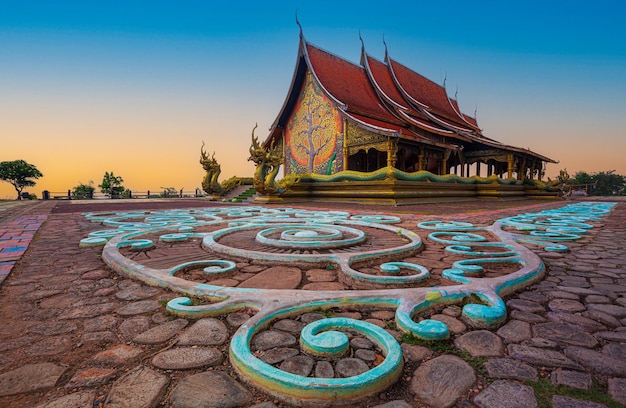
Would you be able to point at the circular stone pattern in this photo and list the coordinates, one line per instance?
(310, 236)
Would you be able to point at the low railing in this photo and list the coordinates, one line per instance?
(67, 195)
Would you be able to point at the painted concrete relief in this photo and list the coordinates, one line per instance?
(314, 133)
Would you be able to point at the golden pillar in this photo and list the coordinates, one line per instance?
(510, 165)
(420, 160)
(284, 152)
(345, 144)
(391, 152)
(444, 162)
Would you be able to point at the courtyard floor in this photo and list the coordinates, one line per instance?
(75, 333)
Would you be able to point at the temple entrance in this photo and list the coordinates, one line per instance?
(369, 161)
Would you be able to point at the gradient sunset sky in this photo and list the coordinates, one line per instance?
(135, 87)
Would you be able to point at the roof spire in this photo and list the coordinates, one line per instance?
(476, 112)
(363, 55)
(445, 78)
(386, 51)
(298, 23)
(456, 93)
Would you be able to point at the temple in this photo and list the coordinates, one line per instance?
(342, 121)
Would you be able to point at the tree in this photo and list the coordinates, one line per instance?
(111, 185)
(82, 191)
(605, 183)
(19, 174)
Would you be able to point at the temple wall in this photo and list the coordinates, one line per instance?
(313, 133)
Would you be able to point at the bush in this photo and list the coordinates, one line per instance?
(83, 191)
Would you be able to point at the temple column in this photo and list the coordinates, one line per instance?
(521, 173)
(346, 152)
(510, 165)
(420, 160)
(478, 168)
(489, 169)
(444, 163)
(284, 150)
(391, 153)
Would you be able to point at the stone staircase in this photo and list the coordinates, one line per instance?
(240, 194)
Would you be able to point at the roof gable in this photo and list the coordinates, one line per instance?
(347, 83)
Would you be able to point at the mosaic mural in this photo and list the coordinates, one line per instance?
(242, 259)
(314, 133)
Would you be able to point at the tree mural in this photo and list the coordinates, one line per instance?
(313, 129)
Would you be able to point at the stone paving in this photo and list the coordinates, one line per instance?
(75, 334)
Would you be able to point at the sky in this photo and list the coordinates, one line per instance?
(136, 87)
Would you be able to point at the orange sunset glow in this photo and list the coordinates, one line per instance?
(136, 90)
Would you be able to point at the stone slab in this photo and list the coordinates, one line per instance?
(204, 332)
(91, 377)
(118, 355)
(541, 356)
(440, 382)
(211, 389)
(454, 325)
(277, 277)
(480, 343)
(412, 352)
(161, 333)
(81, 399)
(299, 365)
(508, 368)
(574, 379)
(30, 377)
(186, 358)
(564, 334)
(515, 331)
(140, 307)
(561, 401)
(597, 362)
(506, 394)
(140, 387)
(269, 339)
(617, 389)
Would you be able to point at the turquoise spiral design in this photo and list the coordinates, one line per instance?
(301, 390)
(390, 289)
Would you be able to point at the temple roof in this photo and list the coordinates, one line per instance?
(387, 98)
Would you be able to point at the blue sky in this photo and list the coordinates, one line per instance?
(134, 87)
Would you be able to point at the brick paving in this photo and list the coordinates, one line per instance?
(74, 333)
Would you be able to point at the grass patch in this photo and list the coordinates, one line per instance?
(545, 390)
(324, 312)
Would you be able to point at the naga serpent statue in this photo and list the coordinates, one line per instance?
(268, 161)
(213, 170)
(560, 184)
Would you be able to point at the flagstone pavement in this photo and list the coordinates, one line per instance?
(75, 334)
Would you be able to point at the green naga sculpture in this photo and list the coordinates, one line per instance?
(560, 184)
(268, 161)
(213, 170)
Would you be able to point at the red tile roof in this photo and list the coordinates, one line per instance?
(349, 84)
(426, 92)
(386, 97)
